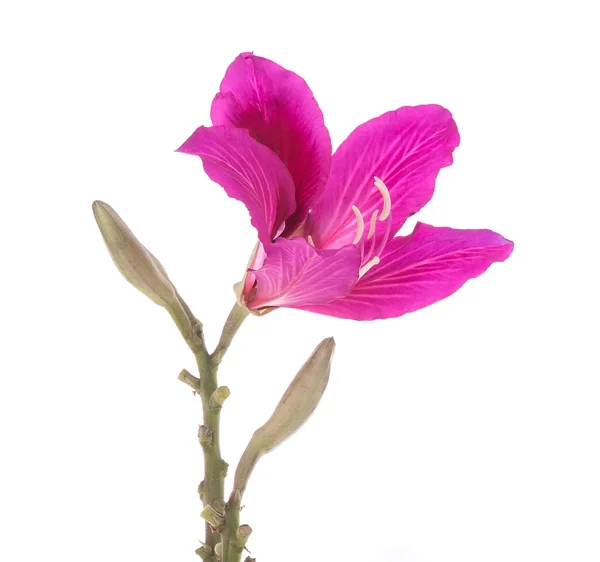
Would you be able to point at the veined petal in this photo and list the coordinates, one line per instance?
(417, 270)
(249, 172)
(296, 274)
(406, 149)
(280, 111)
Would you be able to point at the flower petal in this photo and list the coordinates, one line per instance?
(280, 111)
(249, 172)
(417, 270)
(296, 274)
(406, 149)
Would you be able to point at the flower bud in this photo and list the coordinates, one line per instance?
(300, 398)
(295, 407)
(132, 259)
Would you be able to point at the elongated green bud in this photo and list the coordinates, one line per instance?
(299, 400)
(295, 407)
(132, 259)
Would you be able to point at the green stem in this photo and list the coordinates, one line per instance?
(215, 468)
(237, 315)
(213, 489)
(233, 547)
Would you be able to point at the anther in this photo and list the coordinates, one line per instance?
(367, 266)
(310, 240)
(373, 224)
(387, 201)
(360, 224)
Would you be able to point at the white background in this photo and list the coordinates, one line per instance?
(466, 432)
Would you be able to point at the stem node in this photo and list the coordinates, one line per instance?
(205, 552)
(242, 535)
(189, 379)
(218, 397)
(205, 436)
(213, 517)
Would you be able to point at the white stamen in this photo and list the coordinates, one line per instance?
(373, 224)
(360, 224)
(367, 266)
(310, 240)
(387, 201)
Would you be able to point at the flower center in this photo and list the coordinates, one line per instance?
(370, 257)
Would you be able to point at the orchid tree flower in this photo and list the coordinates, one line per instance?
(328, 243)
(327, 224)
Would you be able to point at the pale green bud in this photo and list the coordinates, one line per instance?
(295, 407)
(300, 399)
(219, 550)
(132, 259)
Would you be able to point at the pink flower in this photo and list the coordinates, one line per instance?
(327, 224)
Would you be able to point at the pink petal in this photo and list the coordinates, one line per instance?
(417, 270)
(249, 172)
(280, 111)
(406, 149)
(296, 274)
